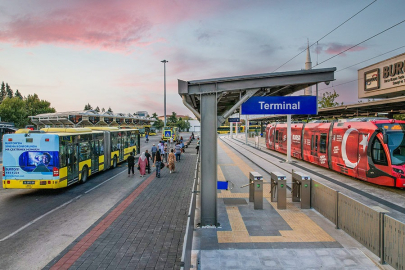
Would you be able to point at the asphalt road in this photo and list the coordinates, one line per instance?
(36, 225)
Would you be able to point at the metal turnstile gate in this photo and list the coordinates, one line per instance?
(279, 189)
(301, 189)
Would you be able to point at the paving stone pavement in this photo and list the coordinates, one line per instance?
(149, 233)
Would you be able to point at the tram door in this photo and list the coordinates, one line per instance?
(362, 154)
(72, 163)
(314, 148)
(94, 156)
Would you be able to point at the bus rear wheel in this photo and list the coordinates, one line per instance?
(85, 175)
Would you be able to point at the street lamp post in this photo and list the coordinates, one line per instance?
(164, 66)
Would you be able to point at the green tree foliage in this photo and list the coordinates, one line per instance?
(109, 109)
(102, 110)
(328, 100)
(9, 91)
(158, 124)
(154, 115)
(97, 109)
(88, 107)
(36, 106)
(17, 110)
(3, 93)
(173, 118)
(18, 94)
(13, 110)
(183, 125)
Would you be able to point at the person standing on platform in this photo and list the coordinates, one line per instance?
(178, 151)
(147, 137)
(171, 141)
(131, 163)
(148, 158)
(172, 159)
(198, 145)
(192, 135)
(154, 150)
(165, 152)
(142, 162)
(156, 163)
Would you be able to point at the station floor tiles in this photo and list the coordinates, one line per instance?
(271, 238)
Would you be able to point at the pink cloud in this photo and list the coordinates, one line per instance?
(104, 24)
(335, 48)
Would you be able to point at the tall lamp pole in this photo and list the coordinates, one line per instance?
(164, 66)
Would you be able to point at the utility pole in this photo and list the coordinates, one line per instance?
(164, 67)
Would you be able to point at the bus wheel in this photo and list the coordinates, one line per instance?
(115, 162)
(85, 175)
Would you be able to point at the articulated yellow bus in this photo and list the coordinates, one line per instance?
(59, 157)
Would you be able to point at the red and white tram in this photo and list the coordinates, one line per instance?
(372, 151)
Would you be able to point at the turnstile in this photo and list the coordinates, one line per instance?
(256, 190)
(301, 189)
(279, 189)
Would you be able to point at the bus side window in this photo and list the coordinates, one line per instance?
(84, 150)
(378, 153)
(62, 154)
(101, 145)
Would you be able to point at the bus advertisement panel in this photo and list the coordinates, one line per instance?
(30, 157)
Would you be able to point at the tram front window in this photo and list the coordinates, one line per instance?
(396, 144)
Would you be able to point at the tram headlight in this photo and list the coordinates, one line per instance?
(398, 170)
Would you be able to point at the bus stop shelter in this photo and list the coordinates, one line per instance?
(212, 101)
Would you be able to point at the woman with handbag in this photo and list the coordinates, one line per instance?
(142, 162)
(157, 162)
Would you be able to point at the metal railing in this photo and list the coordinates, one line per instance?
(370, 226)
(188, 236)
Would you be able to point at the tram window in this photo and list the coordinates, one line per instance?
(84, 150)
(322, 143)
(378, 153)
(276, 135)
(312, 142)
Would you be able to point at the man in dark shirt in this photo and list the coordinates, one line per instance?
(157, 161)
(131, 163)
(153, 150)
(147, 155)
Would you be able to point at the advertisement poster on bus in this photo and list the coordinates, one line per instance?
(30, 157)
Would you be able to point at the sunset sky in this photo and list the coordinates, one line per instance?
(108, 52)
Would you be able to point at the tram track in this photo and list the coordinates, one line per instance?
(242, 145)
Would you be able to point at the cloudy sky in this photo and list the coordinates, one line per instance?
(108, 52)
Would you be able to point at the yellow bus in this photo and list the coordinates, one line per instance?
(152, 131)
(170, 132)
(54, 158)
(226, 129)
(147, 129)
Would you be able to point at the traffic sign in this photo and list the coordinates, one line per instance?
(168, 133)
(234, 120)
(280, 105)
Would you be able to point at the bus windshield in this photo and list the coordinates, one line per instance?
(396, 145)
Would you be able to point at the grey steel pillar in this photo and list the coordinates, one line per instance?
(164, 67)
(208, 110)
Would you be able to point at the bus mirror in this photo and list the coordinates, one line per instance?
(385, 138)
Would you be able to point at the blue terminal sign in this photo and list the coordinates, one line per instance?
(280, 105)
(234, 120)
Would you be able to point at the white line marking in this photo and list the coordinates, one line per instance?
(53, 210)
(38, 218)
(103, 182)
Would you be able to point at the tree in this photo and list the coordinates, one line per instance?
(109, 109)
(35, 106)
(102, 110)
(9, 91)
(97, 109)
(18, 94)
(154, 115)
(173, 118)
(13, 110)
(88, 107)
(3, 92)
(328, 100)
(158, 124)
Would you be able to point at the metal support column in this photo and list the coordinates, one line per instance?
(246, 129)
(288, 158)
(236, 130)
(231, 130)
(208, 109)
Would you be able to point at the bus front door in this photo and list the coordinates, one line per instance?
(72, 164)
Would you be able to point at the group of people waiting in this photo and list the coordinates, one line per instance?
(166, 152)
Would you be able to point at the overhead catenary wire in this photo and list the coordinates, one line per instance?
(326, 35)
(360, 43)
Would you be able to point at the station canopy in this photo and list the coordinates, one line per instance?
(233, 91)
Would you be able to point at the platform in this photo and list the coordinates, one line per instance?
(143, 231)
(271, 238)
